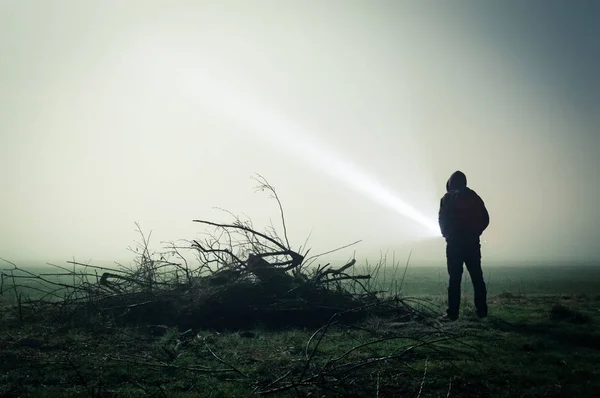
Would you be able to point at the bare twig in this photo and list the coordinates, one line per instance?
(449, 388)
(197, 369)
(314, 257)
(243, 228)
(423, 381)
(79, 375)
(263, 184)
(405, 269)
(224, 362)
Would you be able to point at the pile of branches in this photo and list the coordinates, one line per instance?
(244, 278)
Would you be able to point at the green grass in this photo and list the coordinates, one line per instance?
(540, 340)
(530, 346)
(430, 280)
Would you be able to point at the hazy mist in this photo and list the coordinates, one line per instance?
(156, 112)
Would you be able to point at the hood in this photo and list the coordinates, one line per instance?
(457, 181)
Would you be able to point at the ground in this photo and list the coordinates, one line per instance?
(531, 345)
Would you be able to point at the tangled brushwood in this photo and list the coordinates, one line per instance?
(244, 278)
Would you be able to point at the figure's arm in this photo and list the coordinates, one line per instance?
(443, 218)
(486, 216)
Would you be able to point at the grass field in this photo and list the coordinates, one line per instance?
(432, 281)
(555, 279)
(540, 340)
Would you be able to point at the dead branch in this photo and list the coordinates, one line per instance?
(198, 369)
(246, 229)
(223, 361)
(263, 184)
(244, 277)
(311, 259)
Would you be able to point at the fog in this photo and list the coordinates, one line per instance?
(158, 112)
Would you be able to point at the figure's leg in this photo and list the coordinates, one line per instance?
(473, 263)
(454, 259)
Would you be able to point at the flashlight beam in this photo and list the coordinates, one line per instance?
(248, 111)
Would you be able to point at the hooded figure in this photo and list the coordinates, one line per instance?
(458, 180)
(463, 217)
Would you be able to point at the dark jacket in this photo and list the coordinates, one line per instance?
(463, 215)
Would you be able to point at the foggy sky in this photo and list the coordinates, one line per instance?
(152, 111)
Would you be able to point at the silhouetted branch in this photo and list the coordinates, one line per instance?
(243, 228)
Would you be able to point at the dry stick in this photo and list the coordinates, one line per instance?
(288, 386)
(213, 251)
(449, 387)
(235, 217)
(331, 251)
(46, 294)
(265, 185)
(67, 274)
(326, 326)
(286, 374)
(324, 329)
(405, 269)
(450, 360)
(88, 266)
(362, 345)
(477, 349)
(106, 275)
(409, 308)
(395, 265)
(359, 342)
(81, 378)
(243, 228)
(378, 341)
(14, 286)
(349, 277)
(167, 366)
(379, 265)
(1, 284)
(176, 253)
(312, 354)
(365, 362)
(367, 292)
(322, 272)
(9, 262)
(370, 361)
(73, 272)
(223, 361)
(306, 243)
(20, 304)
(423, 381)
(30, 275)
(344, 268)
(128, 306)
(296, 259)
(427, 304)
(255, 243)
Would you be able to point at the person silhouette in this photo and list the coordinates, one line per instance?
(463, 217)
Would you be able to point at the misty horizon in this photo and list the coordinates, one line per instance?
(119, 113)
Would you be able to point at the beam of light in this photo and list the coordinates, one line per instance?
(250, 112)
